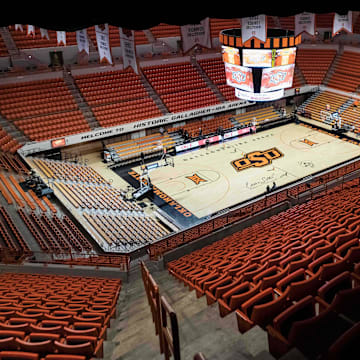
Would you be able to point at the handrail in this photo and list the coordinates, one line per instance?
(170, 334)
(153, 296)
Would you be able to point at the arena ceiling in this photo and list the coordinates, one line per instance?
(135, 15)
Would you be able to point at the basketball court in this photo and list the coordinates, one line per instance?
(205, 181)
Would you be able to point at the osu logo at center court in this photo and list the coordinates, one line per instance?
(256, 159)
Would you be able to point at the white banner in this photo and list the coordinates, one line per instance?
(267, 96)
(342, 22)
(127, 41)
(254, 27)
(196, 34)
(19, 27)
(30, 30)
(103, 44)
(44, 33)
(82, 40)
(305, 22)
(61, 38)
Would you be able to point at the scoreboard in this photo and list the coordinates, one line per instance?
(259, 71)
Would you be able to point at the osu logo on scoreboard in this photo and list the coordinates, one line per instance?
(238, 76)
(256, 159)
(278, 77)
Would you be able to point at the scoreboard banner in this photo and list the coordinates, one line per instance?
(305, 22)
(280, 77)
(239, 77)
(265, 96)
(254, 27)
(342, 22)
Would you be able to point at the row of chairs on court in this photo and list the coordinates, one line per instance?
(311, 249)
(321, 101)
(61, 170)
(260, 115)
(66, 316)
(149, 145)
(98, 197)
(126, 232)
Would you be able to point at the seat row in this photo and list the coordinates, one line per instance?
(309, 253)
(66, 316)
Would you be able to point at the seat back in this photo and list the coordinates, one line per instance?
(303, 309)
(314, 335)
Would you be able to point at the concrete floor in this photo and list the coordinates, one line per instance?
(132, 335)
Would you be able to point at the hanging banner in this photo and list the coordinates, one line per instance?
(44, 33)
(30, 30)
(82, 40)
(305, 22)
(196, 34)
(19, 27)
(103, 44)
(254, 27)
(61, 38)
(342, 22)
(127, 41)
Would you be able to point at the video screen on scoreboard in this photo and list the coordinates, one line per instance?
(280, 77)
(257, 57)
(231, 55)
(239, 77)
(283, 56)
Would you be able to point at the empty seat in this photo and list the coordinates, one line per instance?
(40, 343)
(346, 345)
(329, 265)
(301, 326)
(260, 309)
(233, 298)
(298, 284)
(8, 339)
(80, 345)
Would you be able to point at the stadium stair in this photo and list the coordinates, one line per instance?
(333, 66)
(82, 104)
(153, 94)
(8, 40)
(207, 80)
(200, 327)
